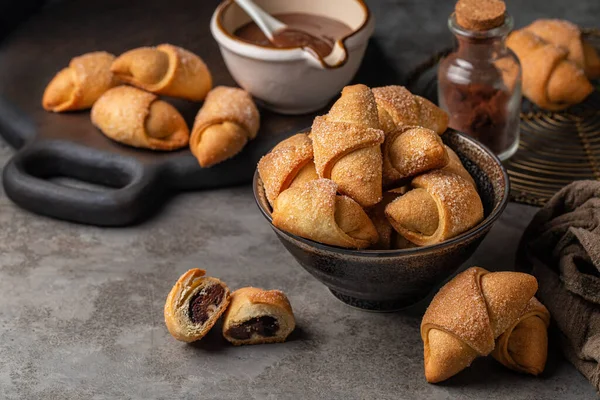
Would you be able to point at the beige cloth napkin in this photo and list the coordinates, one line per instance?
(561, 248)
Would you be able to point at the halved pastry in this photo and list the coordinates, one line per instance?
(346, 145)
(258, 316)
(139, 119)
(194, 305)
(398, 107)
(223, 126)
(166, 69)
(441, 205)
(523, 347)
(289, 164)
(314, 211)
(78, 86)
(409, 151)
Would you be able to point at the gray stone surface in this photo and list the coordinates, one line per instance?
(81, 307)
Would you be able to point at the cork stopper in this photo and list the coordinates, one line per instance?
(480, 15)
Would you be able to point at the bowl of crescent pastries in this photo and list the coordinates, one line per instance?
(379, 200)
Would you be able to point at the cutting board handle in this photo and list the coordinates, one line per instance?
(108, 191)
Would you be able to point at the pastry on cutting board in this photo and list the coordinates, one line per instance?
(439, 206)
(314, 211)
(78, 86)
(166, 70)
(257, 316)
(550, 79)
(468, 314)
(136, 118)
(289, 164)
(225, 123)
(346, 145)
(194, 305)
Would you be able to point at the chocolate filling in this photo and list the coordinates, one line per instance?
(205, 302)
(264, 326)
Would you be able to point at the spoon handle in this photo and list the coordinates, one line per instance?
(265, 22)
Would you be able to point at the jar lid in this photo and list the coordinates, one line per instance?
(480, 15)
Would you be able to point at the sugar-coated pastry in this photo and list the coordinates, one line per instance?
(166, 69)
(346, 145)
(387, 235)
(455, 166)
(290, 163)
(523, 347)
(131, 116)
(409, 151)
(440, 206)
(398, 107)
(78, 86)
(314, 211)
(468, 314)
(225, 123)
(258, 316)
(194, 305)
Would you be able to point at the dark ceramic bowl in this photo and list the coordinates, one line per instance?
(388, 280)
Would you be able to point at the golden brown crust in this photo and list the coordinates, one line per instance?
(398, 107)
(409, 151)
(440, 200)
(81, 84)
(480, 15)
(123, 113)
(183, 74)
(455, 166)
(523, 347)
(467, 314)
(223, 126)
(346, 144)
(280, 167)
(314, 211)
(387, 236)
(177, 306)
(549, 79)
(249, 303)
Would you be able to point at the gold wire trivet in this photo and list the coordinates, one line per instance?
(555, 148)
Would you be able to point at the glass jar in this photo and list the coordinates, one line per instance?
(479, 85)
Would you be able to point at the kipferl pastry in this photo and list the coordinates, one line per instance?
(289, 164)
(387, 235)
(523, 347)
(78, 86)
(550, 80)
(456, 166)
(194, 305)
(440, 206)
(225, 123)
(346, 144)
(131, 116)
(568, 36)
(409, 151)
(314, 211)
(166, 70)
(468, 314)
(398, 107)
(258, 316)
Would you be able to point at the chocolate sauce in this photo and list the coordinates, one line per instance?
(315, 32)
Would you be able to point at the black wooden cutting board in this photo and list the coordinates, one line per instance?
(114, 184)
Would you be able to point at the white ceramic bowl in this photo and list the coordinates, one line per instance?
(290, 80)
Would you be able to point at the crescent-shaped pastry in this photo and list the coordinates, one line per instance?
(467, 315)
(398, 107)
(314, 211)
(440, 206)
(290, 163)
(346, 145)
(194, 305)
(223, 126)
(388, 238)
(258, 316)
(78, 86)
(456, 166)
(166, 69)
(139, 119)
(410, 151)
(523, 347)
